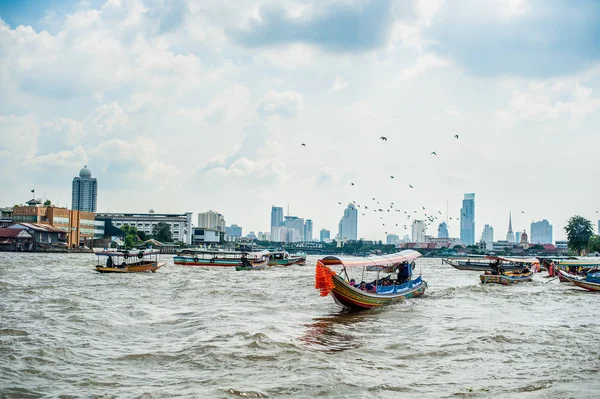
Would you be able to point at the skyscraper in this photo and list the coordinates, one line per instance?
(324, 235)
(85, 191)
(518, 236)
(467, 220)
(276, 216)
(443, 230)
(487, 236)
(308, 230)
(541, 232)
(418, 231)
(297, 224)
(392, 239)
(211, 220)
(348, 226)
(233, 231)
(510, 236)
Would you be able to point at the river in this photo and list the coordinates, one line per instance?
(67, 331)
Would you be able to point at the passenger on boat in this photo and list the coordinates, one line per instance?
(495, 267)
(352, 282)
(404, 272)
(362, 286)
(525, 270)
(109, 262)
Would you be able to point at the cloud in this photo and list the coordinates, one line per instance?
(59, 134)
(325, 177)
(288, 103)
(423, 64)
(339, 84)
(334, 26)
(107, 119)
(68, 160)
(512, 38)
(19, 137)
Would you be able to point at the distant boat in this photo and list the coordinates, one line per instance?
(578, 266)
(485, 264)
(220, 258)
(590, 282)
(283, 258)
(128, 261)
(380, 291)
(506, 278)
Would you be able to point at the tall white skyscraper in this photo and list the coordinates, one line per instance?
(467, 220)
(541, 232)
(297, 224)
(348, 226)
(211, 220)
(308, 230)
(487, 236)
(85, 191)
(418, 231)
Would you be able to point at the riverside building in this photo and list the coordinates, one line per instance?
(179, 223)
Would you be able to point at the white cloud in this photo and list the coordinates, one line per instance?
(59, 134)
(19, 137)
(339, 84)
(422, 65)
(288, 103)
(107, 119)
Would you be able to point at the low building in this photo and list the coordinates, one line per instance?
(180, 224)
(44, 234)
(6, 217)
(202, 236)
(16, 240)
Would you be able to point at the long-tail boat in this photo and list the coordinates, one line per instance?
(579, 266)
(128, 261)
(283, 258)
(590, 282)
(485, 264)
(523, 269)
(379, 292)
(506, 278)
(220, 258)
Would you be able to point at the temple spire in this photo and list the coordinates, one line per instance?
(510, 236)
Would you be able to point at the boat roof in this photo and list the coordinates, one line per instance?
(514, 259)
(128, 253)
(580, 262)
(408, 255)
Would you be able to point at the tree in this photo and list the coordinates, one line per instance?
(47, 203)
(594, 244)
(162, 232)
(579, 230)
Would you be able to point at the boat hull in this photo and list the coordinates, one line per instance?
(355, 299)
(150, 267)
(579, 282)
(505, 279)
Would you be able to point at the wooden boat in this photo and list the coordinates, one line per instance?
(506, 278)
(128, 261)
(579, 266)
(485, 264)
(591, 282)
(220, 258)
(300, 256)
(354, 298)
(283, 258)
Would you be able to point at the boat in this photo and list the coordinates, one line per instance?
(383, 291)
(506, 278)
(128, 261)
(300, 256)
(220, 258)
(283, 258)
(579, 266)
(485, 264)
(590, 282)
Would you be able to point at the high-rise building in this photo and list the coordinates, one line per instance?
(276, 221)
(487, 236)
(85, 191)
(294, 223)
(541, 232)
(443, 230)
(467, 220)
(233, 231)
(418, 231)
(518, 236)
(308, 230)
(348, 226)
(392, 239)
(324, 235)
(510, 236)
(211, 220)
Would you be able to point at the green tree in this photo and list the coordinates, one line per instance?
(579, 230)
(594, 244)
(162, 232)
(129, 241)
(47, 203)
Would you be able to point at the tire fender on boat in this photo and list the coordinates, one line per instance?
(195, 259)
(212, 260)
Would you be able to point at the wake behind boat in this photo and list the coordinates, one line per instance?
(128, 261)
(380, 291)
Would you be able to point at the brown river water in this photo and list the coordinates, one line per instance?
(67, 331)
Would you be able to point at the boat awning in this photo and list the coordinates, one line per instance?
(130, 254)
(408, 255)
(513, 259)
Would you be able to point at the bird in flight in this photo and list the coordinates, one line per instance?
(366, 207)
(522, 211)
(433, 153)
(410, 186)
(303, 145)
(440, 212)
(456, 136)
(393, 177)
(352, 183)
(340, 203)
(383, 138)
(374, 199)
(423, 207)
(363, 214)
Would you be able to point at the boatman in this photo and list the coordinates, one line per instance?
(404, 272)
(109, 262)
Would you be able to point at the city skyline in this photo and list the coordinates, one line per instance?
(454, 123)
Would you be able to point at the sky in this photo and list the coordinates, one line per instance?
(185, 106)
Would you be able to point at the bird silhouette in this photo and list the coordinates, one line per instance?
(352, 183)
(423, 207)
(392, 177)
(366, 207)
(433, 153)
(522, 211)
(410, 186)
(456, 136)
(340, 203)
(374, 199)
(383, 138)
(363, 214)
(396, 224)
(440, 212)
(303, 145)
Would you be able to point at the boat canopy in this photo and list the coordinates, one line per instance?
(128, 253)
(408, 255)
(513, 259)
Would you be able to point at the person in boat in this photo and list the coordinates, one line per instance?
(109, 262)
(352, 283)
(495, 267)
(245, 261)
(525, 270)
(362, 286)
(404, 272)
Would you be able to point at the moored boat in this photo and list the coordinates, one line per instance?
(485, 264)
(283, 258)
(128, 261)
(506, 278)
(220, 258)
(579, 266)
(379, 292)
